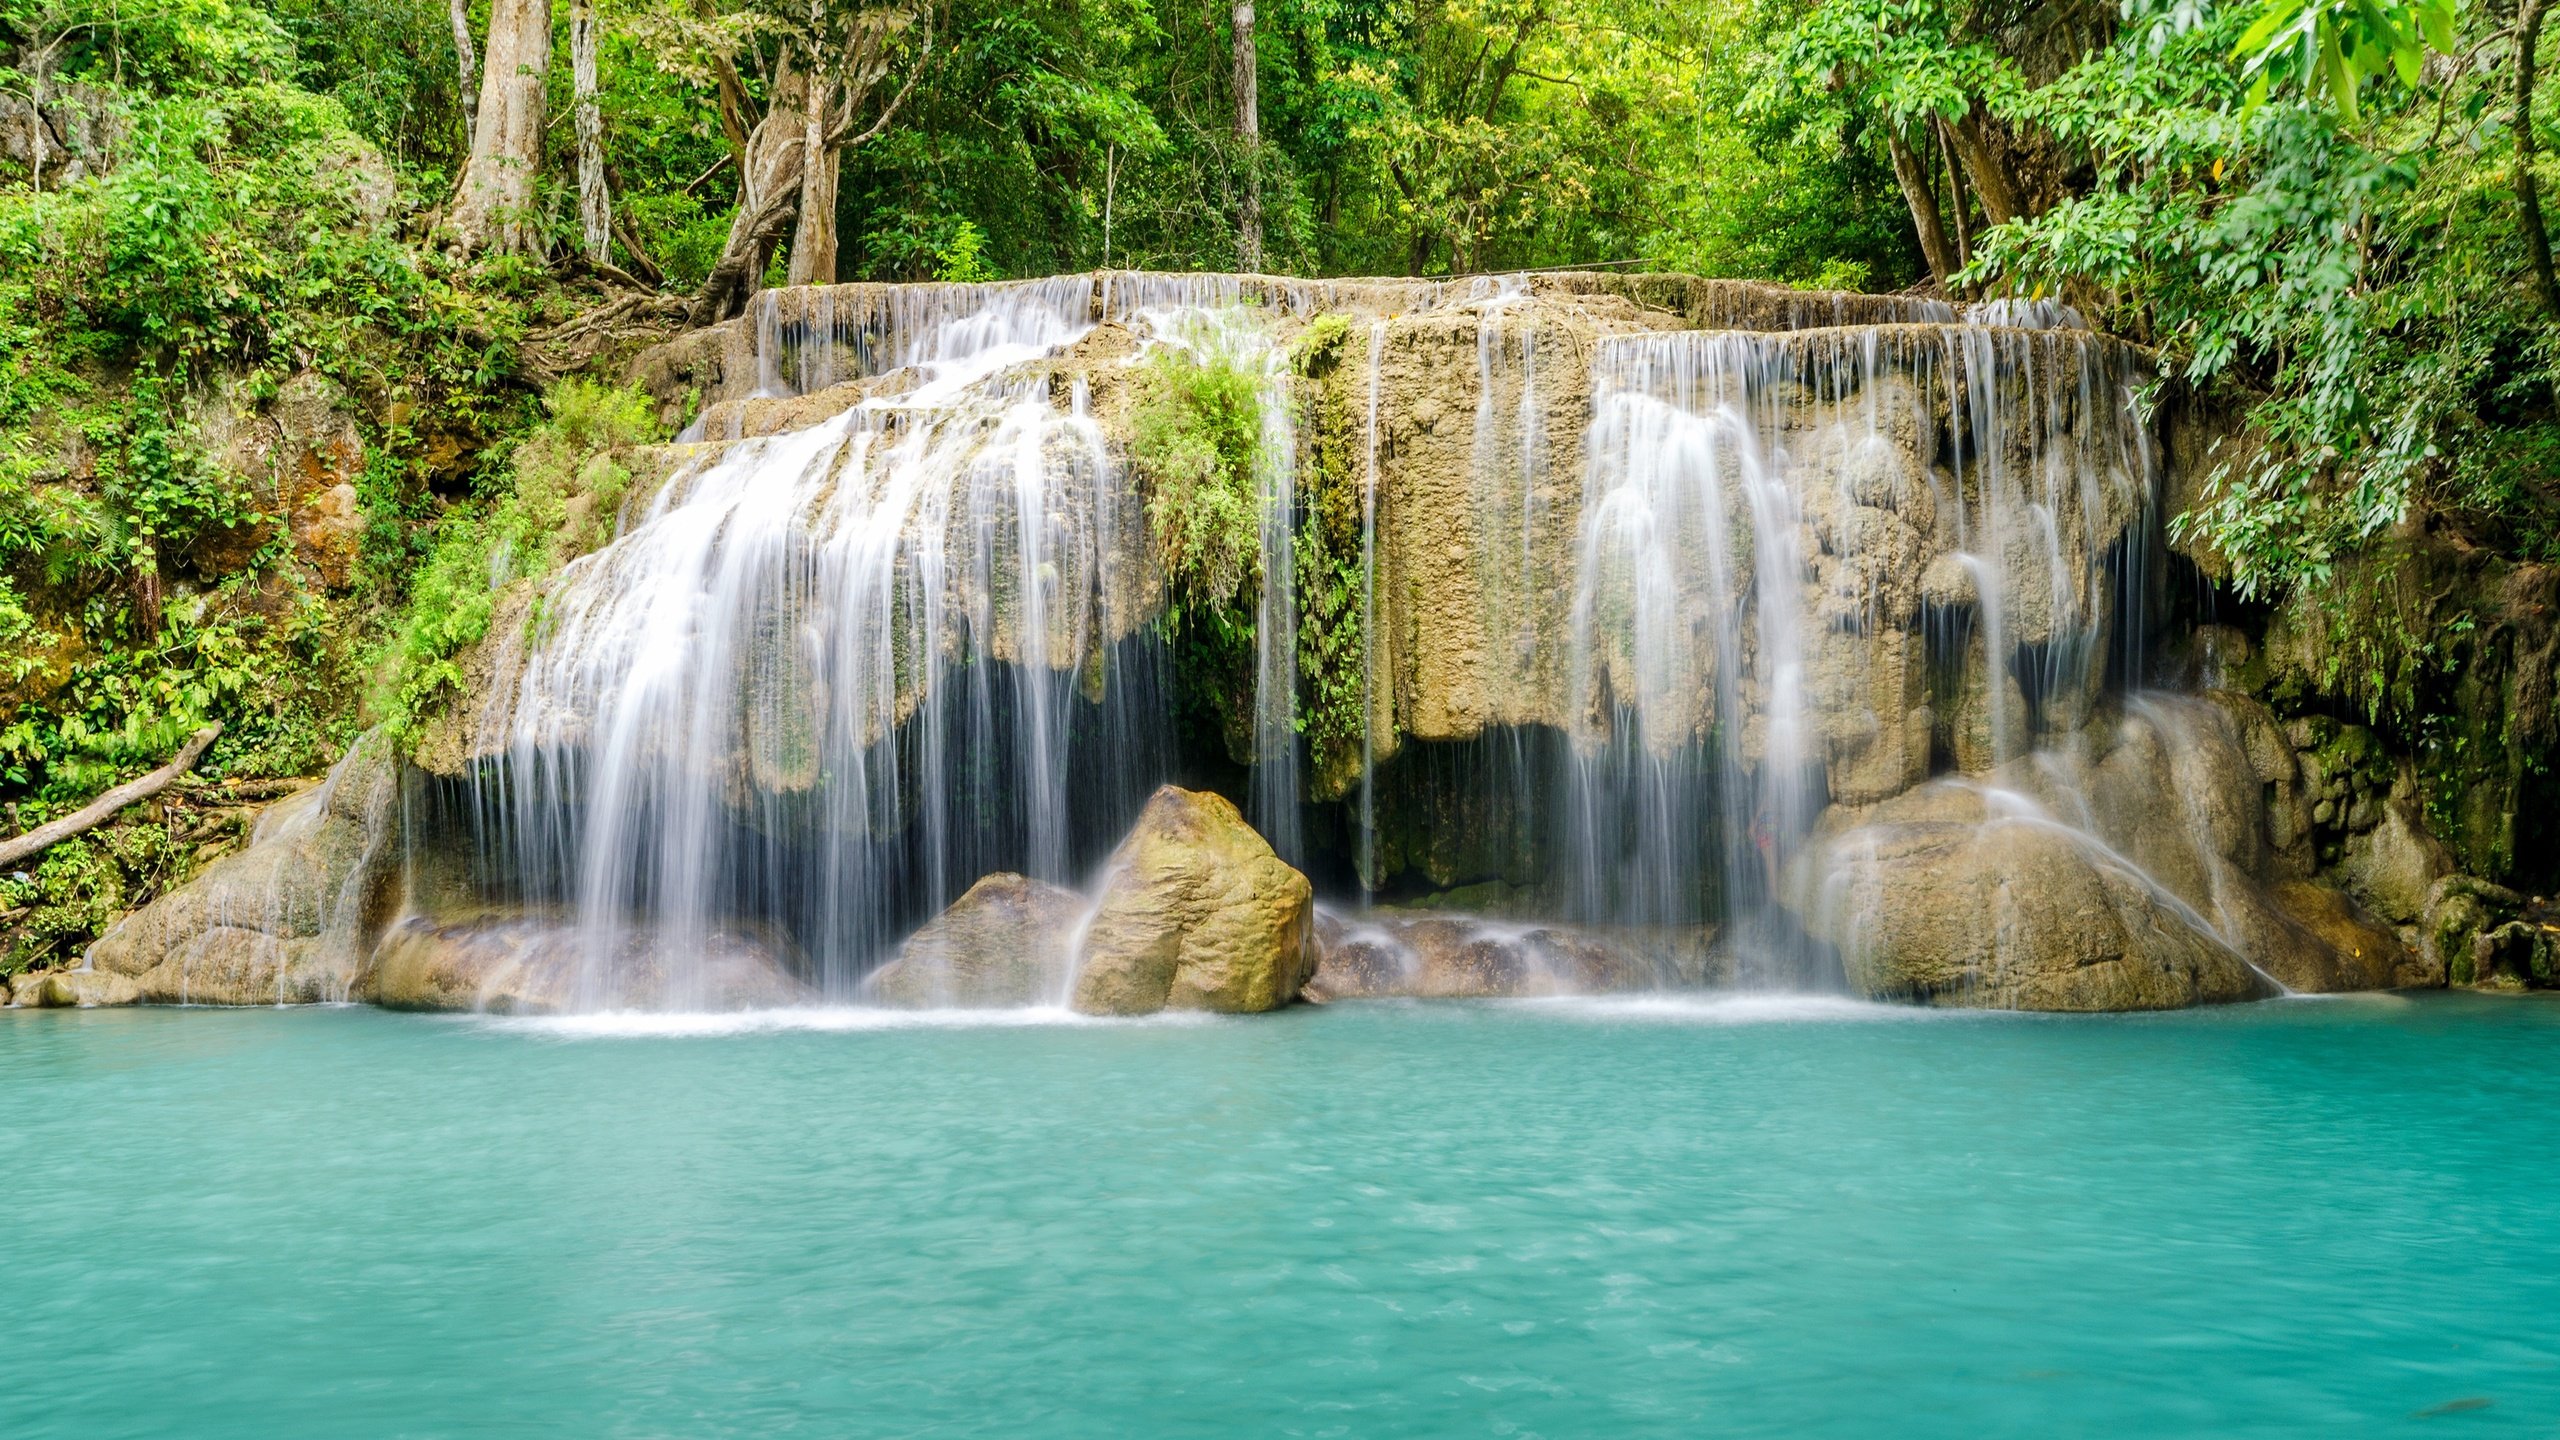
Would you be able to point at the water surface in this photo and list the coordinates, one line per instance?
(1731, 1218)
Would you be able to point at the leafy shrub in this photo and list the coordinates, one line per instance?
(563, 485)
(1196, 433)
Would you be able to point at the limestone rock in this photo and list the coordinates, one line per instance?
(2392, 866)
(534, 964)
(72, 989)
(2479, 933)
(1008, 941)
(1468, 957)
(1197, 913)
(2358, 954)
(285, 921)
(2013, 913)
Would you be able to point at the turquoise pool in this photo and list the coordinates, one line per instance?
(1730, 1218)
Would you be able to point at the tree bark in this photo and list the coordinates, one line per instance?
(2529, 18)
(97, 811)
(493, 207)
(1248, 138)
(467, 61)
(768, 196)
(1914, 179)
(595, 198)
(1956, 197)
(1982, 164)
(813, 241)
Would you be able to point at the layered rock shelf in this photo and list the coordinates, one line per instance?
(1600, 633)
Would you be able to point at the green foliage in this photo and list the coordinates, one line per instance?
(562, 487)
(963, 260)
(2334, 46)
(1332, 582)
(78, 888)
(1196, 434)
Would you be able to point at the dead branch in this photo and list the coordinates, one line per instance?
(46, 836)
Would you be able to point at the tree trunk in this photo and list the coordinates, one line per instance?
(595, 199)
(768, 195)
(1914, 179)
(1956, 199)
(467, 61)
(1982, 164)
(2537, 239)
(813, 241)
(493, 207)
(35, 129)
(104, 808)
(1248, 139)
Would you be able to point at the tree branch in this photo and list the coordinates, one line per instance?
(836, 133)
(46, 836)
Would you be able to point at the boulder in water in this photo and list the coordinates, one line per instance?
(1197, 913)
(72, 989)
(1008, 941)
(535, 964)
(1468, 957)
(2014, 912)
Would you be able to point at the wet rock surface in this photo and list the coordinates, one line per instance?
(1422, 956)
(1196, 913)
(289, 919)
(1009, 941)
(2016, 913)
(538, 964)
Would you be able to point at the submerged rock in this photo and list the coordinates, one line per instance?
(1009, 941)
(531, 964)
(1197, 913)
(1469, 957)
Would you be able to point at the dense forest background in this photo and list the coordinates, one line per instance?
(310, 307)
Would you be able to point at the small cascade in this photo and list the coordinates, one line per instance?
(826, 681)
(1367, 837)
(1213, 322)
(1771, 525)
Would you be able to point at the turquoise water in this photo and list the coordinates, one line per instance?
(1782, 1218)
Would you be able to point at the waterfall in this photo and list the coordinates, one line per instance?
(1649, 616)
(1370, 717)
(1213, 323)
(1747, 634)
(828, 679)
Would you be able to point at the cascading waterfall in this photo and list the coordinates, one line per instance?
(830, 677)
(1214, 325)
(1756, 508)
(827, 680)
(1368, 822)
(1707, 633)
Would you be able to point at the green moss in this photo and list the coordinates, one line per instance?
(556, 501)
(1332, 688)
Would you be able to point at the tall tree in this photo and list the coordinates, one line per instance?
(493, 206)
(595, 204)
(826, 67)
(466, 59)
(1248, 138)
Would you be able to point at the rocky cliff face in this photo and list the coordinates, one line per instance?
(1660, 604)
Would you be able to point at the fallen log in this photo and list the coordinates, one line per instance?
(53, 833)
